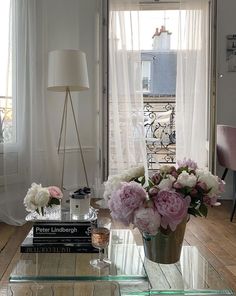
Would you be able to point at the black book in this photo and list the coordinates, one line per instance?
(28, 246)
(47, 248)
(63, 229)
(61, 240)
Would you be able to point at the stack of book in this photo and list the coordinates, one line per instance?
(59, 237)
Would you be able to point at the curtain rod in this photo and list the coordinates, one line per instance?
(159, 5)
(159, 2)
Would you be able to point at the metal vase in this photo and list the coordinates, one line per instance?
(165, 247)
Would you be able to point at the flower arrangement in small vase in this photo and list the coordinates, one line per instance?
(161, 203)
(38, 198)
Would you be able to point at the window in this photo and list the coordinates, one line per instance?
(7, 114)
(164, 33)
(8, 157)
(154, 32)
(158, 40)
(159, 87)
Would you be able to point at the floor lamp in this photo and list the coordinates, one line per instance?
(67, 72)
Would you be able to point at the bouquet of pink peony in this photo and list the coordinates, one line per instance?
(38, 197)
(166, 199)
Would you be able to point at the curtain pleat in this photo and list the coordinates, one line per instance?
(192, 81)
(32, 156)
(127, 147)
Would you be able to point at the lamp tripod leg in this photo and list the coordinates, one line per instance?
(78, 137)
(62, 121)
(63, 126)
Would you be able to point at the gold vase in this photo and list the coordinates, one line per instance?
(165, 247)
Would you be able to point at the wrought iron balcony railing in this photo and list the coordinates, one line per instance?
(159, 120)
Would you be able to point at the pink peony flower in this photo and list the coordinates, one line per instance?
(153, 191)
(221, 185)
(174, 174)
(147, 220)
(156, 178)
(173, 170)
(192, 165)
(167, 182)
(193, 192)
(210, 200)
(177, 185)
(55, 192)
(173, 208)
(125, 200)
(202, 185)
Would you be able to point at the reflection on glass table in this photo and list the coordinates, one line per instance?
(193, 275)
(135, 274)
(90, 288)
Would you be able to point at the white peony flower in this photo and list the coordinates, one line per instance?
(113, 182)
(33, 190)
(166, 183)
(29, 200)
(186, 179)
(30, 203)
(36, 197)
(135, 172)
(165, 169)
(210, 180)
(42, 197)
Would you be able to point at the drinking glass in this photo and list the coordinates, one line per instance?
(100, 240)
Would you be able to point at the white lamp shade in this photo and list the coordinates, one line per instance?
(67, 69)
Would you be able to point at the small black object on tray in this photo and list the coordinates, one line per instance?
(81, 193)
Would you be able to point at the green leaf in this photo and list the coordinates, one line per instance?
(54, 201)
(143, 181)
(135, 180)
(203, 210)
(150, 183)
(192, 211)
(195, 212)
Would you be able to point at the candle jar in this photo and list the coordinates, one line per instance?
(80, 204)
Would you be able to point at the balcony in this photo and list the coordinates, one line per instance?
(159, 121)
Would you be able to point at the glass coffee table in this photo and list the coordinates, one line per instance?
(130, 270)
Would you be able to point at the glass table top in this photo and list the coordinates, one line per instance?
(135, 274)
(79, 288)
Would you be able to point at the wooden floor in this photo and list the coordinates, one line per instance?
(215, 236)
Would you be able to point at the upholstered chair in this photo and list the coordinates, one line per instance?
(226, 154)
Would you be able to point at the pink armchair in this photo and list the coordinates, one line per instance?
(226, 154)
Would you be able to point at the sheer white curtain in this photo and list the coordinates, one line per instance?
(192, 81)
(30, 157)
(126, 121)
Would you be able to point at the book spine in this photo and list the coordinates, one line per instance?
(65, 223)
(61, 240)
(66, 230)
(58, 249)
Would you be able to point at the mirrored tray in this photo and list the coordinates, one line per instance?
(58, 214)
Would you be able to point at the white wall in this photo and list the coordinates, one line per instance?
(70, 24)
(226, 85)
